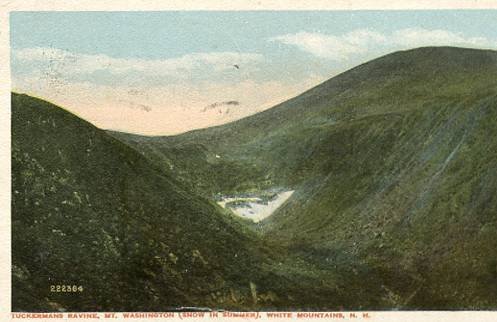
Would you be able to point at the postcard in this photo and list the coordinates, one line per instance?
(249, 161)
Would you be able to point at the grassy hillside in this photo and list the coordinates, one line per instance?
(275, 145)
(90, 211)
(393, 164)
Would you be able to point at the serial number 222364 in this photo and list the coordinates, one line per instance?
(66, 288)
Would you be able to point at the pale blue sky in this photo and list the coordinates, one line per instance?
(170, 34)
(192, 53)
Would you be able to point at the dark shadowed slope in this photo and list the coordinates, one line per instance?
(394, 164)
(88, 210)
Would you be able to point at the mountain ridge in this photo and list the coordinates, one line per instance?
(89, 211)
(397, 147)
(393, 165)
(485, 54)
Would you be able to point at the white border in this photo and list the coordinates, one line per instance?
(5, 88)
(7, 6)
(151, 5)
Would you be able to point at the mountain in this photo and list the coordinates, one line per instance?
(89, 211)
(394, 168)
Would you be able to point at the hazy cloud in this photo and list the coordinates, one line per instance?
(163, 110)
(343, 47)
(67, 64)
(331, 46)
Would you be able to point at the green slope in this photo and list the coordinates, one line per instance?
(276, 144)
(90, 211)
(394, 164)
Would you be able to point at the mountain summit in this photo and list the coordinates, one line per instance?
(392, 162)
(392, 167)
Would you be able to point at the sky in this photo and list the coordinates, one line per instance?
(164, 73)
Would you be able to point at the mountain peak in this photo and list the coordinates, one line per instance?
(427, 59)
